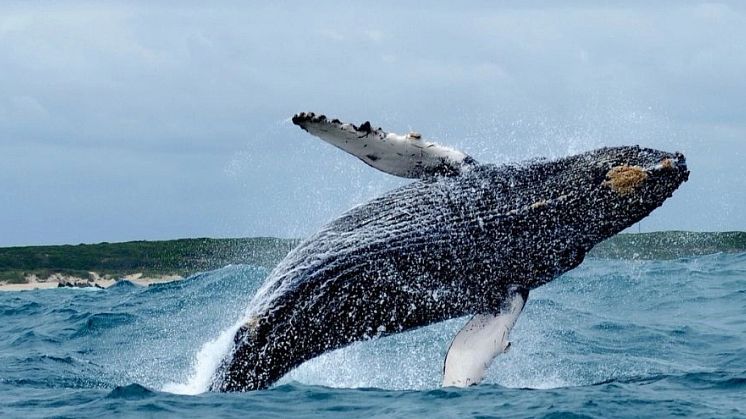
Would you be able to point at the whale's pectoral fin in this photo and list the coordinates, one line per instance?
(408, 156)
(478, 343)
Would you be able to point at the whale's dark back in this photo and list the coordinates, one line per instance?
(426, 252)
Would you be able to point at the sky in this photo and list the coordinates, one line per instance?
(159, 120)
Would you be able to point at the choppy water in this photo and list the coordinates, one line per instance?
(612, 338)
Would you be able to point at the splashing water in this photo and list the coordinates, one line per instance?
(206, 363)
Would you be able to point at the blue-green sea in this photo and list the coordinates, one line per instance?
(609, 339)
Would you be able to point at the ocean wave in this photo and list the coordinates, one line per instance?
(130, 392)
(610, 338)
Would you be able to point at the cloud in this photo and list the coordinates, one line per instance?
(214, 83)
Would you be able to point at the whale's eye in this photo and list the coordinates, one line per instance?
(625, 179)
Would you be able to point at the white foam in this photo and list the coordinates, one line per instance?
(206, 361)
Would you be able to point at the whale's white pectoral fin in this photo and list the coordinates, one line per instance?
(478, 343)
(407, 156)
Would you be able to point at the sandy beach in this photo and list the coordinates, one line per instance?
(54, 281)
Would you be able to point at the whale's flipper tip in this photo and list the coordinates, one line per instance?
(408, 156)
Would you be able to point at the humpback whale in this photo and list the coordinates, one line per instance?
(464, 239)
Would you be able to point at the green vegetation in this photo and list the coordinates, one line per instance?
(188, 256)
(115, 260)
(669, 245)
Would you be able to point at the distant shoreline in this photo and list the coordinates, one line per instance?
(147, 262)
(67, 281)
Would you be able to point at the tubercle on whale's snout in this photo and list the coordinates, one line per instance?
(675, 163)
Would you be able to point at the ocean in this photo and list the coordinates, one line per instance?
(612, 338)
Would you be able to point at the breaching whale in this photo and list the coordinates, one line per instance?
(466, 238)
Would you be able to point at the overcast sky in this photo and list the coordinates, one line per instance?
(124, 121)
